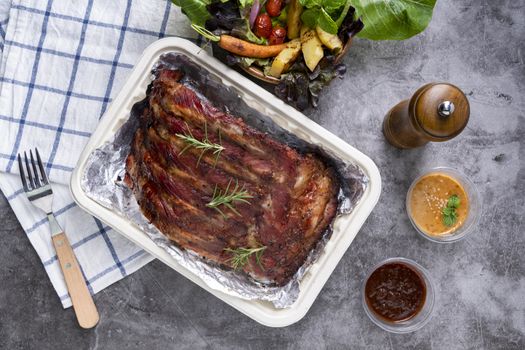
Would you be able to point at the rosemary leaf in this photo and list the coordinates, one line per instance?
(241, 256)
(229, 198)
(204, 145)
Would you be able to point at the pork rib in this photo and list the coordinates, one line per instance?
(293, 195)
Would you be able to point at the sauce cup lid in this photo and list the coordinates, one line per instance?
(474, 212)
(414, 323)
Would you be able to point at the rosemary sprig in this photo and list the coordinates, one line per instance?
(240, 256)
(228, 198)
(204, 145)
(450, 214)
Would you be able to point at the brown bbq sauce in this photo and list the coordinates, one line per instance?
(395, 292)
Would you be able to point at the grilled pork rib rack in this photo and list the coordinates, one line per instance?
(228, 192)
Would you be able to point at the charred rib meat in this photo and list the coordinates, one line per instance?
(228, 192)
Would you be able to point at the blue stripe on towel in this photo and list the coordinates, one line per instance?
(117, 56)
(70, 87)
(104, 234)
(30, 89)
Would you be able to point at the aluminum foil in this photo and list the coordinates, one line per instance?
(105, 171)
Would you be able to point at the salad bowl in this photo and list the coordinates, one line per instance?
(297, 46)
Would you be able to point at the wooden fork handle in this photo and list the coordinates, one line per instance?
(85, 309)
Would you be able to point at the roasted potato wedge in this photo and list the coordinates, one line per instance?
(293, 24)
(331, 41)
(312, 47)
(285, 58)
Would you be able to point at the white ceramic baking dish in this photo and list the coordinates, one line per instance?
(345, 227)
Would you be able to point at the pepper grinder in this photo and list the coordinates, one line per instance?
(436, 112)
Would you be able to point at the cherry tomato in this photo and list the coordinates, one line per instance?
(273, 7)
(263, 26)
(277, 36)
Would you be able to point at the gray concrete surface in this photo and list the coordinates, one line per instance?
(478, 45)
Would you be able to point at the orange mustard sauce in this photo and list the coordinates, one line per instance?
(429, 196)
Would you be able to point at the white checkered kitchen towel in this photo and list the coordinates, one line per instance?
(61, 63)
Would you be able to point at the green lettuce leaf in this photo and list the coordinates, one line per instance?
(393, 19)
(243, 3)
(331, 5)
(327, 23)
(316, 16)
(247, 61)
(327, 14)
(195, 10)
(310, 16)
(311, 3)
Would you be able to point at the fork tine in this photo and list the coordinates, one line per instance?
(28, 168)
(33, 164)
(41, 166)
(22, 173)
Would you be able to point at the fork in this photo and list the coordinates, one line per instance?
(39, 192)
